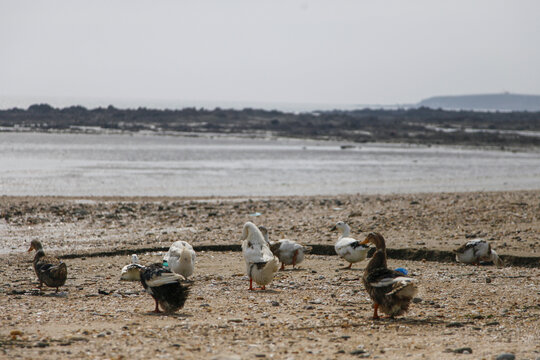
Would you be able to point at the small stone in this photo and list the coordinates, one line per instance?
(235, 320)
(358, 352)
(42, 344)
(340, 351)
(488, 280)
(463, 350)
(275, 303)
(417, 300)
(454, 324)
(100, 335)
(260, 355)
(506, 356)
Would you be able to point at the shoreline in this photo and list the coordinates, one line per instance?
(271, 136)
(433, 221)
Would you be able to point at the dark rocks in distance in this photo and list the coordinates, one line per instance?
(416, 126)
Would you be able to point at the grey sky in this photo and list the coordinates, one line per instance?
(355, 52)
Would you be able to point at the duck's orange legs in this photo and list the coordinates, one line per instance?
(250, 284)
(375, 308)
(282, 267)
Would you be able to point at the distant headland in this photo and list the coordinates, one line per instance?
(484, 102)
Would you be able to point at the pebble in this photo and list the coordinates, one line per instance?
(463, 350)
(275, 303)
(417, 300)
(506, 356)
(42, 344)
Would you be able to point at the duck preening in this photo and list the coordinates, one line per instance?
(261, 264)
(49, 269)
(289, 252)
(131, 272)
(476, 251)
(165, 287)
(180, 258)
(390, 290)
(348, 248)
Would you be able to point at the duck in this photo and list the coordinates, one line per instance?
(289, 252)
(390, 290)
(348, 248)
(476, 251)
(165, 287)
(49, 270)
(261, 264)
(180, 258)
(131, 271)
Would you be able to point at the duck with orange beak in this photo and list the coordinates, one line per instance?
(390, 290)
(49, 269)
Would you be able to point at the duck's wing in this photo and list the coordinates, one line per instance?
(256, 252)
(347, 245)
(392, 280)
(52, 273)
(289, 245)
(155, 276)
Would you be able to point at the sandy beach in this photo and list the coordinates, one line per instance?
(318, 310)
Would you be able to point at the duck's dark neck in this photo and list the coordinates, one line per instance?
(378, 260)
(39, 254)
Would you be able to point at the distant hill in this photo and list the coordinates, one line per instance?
(489, 102)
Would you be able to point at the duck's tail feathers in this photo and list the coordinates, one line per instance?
(496, 259)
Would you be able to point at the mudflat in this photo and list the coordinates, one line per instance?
(318, 310)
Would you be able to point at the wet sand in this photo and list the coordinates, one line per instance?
(318, 311)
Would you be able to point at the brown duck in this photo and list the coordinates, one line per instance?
(390, 290)
(49, 269)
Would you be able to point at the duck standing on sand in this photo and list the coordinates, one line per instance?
(390, 290)
(261, 264)
(131, 271)
(165, 287)
(289, 252)
(348, 248)
(475, 251)
(49, 269)
(180, 258)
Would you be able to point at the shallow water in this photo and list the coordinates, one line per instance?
(154, 165)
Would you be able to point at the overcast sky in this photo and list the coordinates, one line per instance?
(331, 52)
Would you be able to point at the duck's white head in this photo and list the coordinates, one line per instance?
(343, 228)
(134, 259)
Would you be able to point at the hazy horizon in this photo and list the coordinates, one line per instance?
(320, 53)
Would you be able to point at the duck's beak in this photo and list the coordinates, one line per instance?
(334, 228)
(31, 248)
(365, 242)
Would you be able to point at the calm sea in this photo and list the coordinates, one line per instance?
(153, 165)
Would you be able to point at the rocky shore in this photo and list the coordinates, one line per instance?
(318, 310)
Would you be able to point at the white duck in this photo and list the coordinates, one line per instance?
(261, 264)
(475, 251)
(348, 248)
(180, 258)
(131, 272)
(289, 252)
